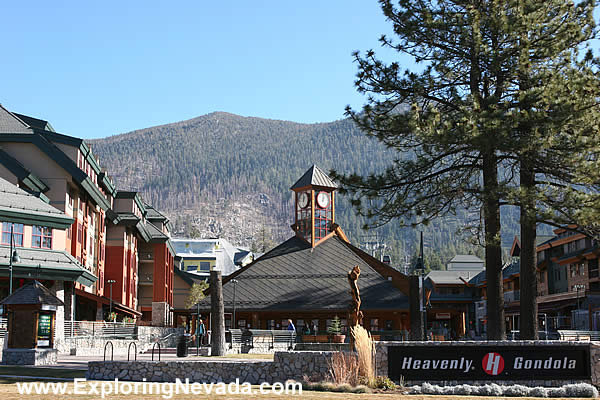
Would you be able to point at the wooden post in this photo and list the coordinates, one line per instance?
(416, 315)
(355, 316)
(217, 311)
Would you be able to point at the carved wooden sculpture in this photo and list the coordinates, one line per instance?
(355, 316)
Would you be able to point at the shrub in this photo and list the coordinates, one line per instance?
(336, 326)
(385, 383)
(366, 353)
(343, 368)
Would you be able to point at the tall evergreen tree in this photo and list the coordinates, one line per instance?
(556, 120)
(479, 104)
(452, 138)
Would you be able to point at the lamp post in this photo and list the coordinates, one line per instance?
(110, 283)
(234, 286)
(13, 258)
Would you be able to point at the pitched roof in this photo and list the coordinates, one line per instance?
(466, 258)
(35, 122)
(153, 214)
(315, 177)
(294, 276)
(32, 293)
(10, 123)
(21, 207)
(189, 278)
(450, 277)
(45, 264)
(23, 174)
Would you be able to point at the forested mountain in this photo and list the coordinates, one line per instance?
(226, 175)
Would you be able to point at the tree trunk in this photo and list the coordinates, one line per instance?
(528, 273)
(493, 251)
(217, 314)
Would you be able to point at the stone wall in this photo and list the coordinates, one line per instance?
(381, 360)
(298, 364)
(29, 356)
(285, 365)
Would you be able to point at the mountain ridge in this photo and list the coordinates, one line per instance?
(222, 174)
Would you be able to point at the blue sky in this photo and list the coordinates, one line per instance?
(95, 69)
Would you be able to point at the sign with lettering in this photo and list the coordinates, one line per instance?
(499, 362)
(44, 332)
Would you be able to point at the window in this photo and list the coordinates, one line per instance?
(79, 233)
(374, 324)
(192, 267)
(17, 234)
(41, 237)
(204, 266)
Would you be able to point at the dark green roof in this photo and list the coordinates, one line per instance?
(23, 174)
(35, 122)
(20, 207)
(45, 264)
(61, 159)
(153, 214)
(315, 177)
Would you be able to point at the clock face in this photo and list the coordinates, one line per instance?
(303, 200)
(323, 199)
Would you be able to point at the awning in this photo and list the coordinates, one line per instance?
(43, 264)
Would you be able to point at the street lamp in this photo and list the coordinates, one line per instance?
(110, 283)
(13, 258)
(234, 286)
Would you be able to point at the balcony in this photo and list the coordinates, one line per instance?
(510, 297)
(146, 256)
(145, 279)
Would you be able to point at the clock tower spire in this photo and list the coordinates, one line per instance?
(314, 195)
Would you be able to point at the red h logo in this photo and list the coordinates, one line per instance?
(492, 363)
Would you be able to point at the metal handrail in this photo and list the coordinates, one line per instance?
(112, 351)
(153, 346)
(134, 352)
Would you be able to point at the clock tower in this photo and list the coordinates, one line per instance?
(314, 205)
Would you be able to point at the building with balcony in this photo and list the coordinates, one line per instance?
(37, 232)
(63, 170)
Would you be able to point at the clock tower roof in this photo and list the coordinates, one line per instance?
(315, 177)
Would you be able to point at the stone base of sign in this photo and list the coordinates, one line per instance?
(29, 356)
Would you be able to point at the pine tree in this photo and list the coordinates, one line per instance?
(556, 125)
(491, 119)
(445, 122)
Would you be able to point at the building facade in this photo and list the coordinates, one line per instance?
(63, 170)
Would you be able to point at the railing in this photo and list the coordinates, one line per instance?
(100, 329)
(511, 296)
(3, 327)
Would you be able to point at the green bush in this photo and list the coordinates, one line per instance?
(385, 383)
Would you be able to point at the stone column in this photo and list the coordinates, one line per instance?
(69, 301)
(160, 313)
(58, 289)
